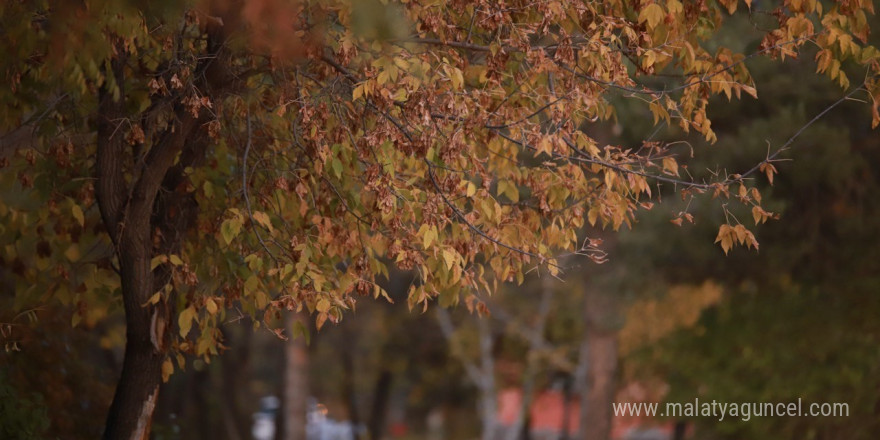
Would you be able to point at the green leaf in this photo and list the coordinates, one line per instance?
(336, 164)
(230, 229)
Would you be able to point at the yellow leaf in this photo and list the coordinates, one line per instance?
(653, 14)
(383, 77)
(157, 260)
(457, 78)
(509, 189)
(449, 258)
(650, 58)
(471, 189)
(167, 369)
(175, 260)
(429, 235)
(72, 253)
(78, 214)
(185, 320)
(153, 299)
(211, 305)
(670, 166)
(357, 92)
(263, 219)
(323, 305)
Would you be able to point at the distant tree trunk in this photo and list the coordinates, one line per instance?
(348, 392)
(486, 385)
(600, 313)
(295, 393)
(566, 408)
(376, 425)
(235, 366)
(482, 376)
(680, 430)
(520, 428)
(596, 414)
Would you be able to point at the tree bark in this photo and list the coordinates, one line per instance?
(138, 389)
(132, 209)
(131, 230)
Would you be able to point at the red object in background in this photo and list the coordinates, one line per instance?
(398, 429)
(547, 410)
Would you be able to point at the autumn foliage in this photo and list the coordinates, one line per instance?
(283, 156)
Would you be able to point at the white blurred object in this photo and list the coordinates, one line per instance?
(264, 420)
(318, 425)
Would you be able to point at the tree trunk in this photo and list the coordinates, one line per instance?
(520, 428)
(133, 404)
(376, 424)
(486, 384)
(295, 396)
(135, 399)
(348, 391)
(596, 414)
(236, 368)
(601, 316)
(132, 209)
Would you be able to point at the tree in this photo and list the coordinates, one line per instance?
(807, 298)
(252, 157)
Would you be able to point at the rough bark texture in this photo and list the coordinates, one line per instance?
(145, 215)
(135, 398)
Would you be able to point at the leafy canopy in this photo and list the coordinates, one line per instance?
(455, 139)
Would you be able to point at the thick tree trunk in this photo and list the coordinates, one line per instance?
(132, 209)
(138, 389)
(131, 413)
